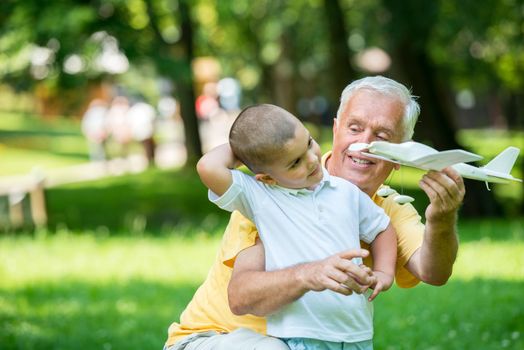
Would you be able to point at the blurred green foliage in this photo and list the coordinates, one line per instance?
(263, 43)
(163, 199)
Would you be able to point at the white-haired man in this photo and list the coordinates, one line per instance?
(372, 108)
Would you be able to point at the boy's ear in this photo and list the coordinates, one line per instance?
(265, 178)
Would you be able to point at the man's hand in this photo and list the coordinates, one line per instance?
(446, 191)
(433, 262)
(337, 273)
(252, 290)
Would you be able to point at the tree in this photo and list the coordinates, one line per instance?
(142, 29)
(411, 26)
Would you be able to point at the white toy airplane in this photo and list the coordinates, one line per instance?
(420, 156)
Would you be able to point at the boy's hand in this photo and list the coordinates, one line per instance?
(360, 286)
(383, 283)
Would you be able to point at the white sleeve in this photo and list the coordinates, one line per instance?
(239, 196)
(372, 218)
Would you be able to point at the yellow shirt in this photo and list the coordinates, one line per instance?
(209, 308)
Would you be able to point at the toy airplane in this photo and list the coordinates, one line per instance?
(420, 156)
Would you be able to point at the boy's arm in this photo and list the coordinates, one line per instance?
(384, 252)
(214, 168)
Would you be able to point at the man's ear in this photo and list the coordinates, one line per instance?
(335, 125)
(265, 178)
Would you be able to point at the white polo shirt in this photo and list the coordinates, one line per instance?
(300, 225)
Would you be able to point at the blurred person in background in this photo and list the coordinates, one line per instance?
(206, 105)
(95, 129)
(119, 126)
(141, 118)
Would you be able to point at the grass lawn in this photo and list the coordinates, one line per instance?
(124, 255)
(156, 200)
(93, 291)
(27, 141)
(90, 292)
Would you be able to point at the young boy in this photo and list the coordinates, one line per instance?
(302, 214)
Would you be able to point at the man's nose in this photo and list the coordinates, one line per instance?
(366, 137)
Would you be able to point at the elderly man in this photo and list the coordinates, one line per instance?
(373, 108)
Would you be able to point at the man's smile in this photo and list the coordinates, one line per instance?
(360, 161)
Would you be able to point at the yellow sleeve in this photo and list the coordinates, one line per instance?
(240, 234)
(410, 234)
(209, 308)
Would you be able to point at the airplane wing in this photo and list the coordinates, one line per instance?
(414, 154)
(441, 160)
(420, 156)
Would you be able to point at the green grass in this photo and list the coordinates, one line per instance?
(94, 291)
(156, 200)
(23, 161)
(27, 142)
(123, 256)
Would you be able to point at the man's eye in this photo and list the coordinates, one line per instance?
(295, 163)
(383, 137)
(354, 128)
(310, 142)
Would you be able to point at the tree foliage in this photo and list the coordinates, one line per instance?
(282, 52)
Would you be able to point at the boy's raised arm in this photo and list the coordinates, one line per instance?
(214, 168)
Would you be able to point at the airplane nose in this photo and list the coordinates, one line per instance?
(358, 146)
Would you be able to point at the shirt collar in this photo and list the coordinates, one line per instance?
(327, 180)
(326, 157)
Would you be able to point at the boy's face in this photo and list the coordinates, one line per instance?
(299, 166)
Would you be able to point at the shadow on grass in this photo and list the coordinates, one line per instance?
(477, 314)
(77, 315)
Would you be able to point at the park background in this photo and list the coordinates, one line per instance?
(122, 246)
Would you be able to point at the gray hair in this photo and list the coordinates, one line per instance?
(388, 87)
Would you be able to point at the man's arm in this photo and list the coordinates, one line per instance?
(214, 168)
(384, 251)
(433, 262)
(252, 290)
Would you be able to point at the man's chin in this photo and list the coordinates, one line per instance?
(353, 177)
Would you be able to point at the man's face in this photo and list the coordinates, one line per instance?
(368, 116)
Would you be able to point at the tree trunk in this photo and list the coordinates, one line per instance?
(185, 85)
(436, 124)
(341, 71)
(180, 56)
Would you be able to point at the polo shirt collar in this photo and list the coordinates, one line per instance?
(327, 180)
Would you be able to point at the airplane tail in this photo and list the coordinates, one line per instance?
(504, 161)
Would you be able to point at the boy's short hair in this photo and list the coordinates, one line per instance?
(259, 134)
